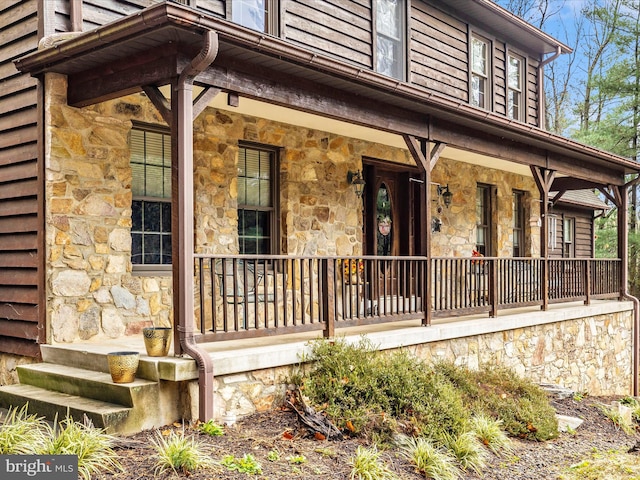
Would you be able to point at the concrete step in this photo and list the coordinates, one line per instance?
(57, 405)
(85, 383)
(94, 358)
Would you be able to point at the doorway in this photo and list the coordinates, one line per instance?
(393, 209)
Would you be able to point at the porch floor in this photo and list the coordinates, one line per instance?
(238, 356)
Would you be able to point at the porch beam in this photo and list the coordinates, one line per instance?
(485, 143)
(160, 102)
(122, 77)
(281, 88)
(203, 99)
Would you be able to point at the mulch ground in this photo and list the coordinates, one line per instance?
(281, 431)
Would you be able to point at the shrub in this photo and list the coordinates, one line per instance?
(522, 406)
(367, 465)
(211, 428)
(21, 433)
(430, 460)
(178, 453)
(92, 446)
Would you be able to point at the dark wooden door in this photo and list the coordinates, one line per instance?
(392, 226)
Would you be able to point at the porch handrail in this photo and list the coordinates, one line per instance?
(467, 285)
(241, 296)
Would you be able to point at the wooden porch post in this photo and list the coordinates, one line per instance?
(544, 179)
(419, 152)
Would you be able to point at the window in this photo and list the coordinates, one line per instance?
(479, 72)
(518, 224)
(389, 38)
(151, 191)
(257, 204)
(260, 15)
(568, 229)
(514, 88)
(483, 215)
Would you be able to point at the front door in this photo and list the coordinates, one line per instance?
(392, 223)
(392, 210)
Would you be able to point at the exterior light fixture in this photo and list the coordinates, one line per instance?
(446, 195)
(356, 179)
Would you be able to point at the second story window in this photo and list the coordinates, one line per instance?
(151, 191)
(260, 15)
(514, 88)
(257, 201)
(389, 38)
(479, 72)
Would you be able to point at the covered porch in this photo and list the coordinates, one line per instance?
(220, 297)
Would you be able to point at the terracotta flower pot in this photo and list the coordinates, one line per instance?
(123, 366)
(157, 341)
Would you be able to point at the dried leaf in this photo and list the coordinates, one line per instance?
(531, 428)
(319, 436)
(287, 435)
(350, 426)
(177, 425)
(166, 432)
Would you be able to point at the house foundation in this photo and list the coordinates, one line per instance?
(583, 348)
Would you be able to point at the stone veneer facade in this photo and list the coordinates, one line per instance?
(93, 290)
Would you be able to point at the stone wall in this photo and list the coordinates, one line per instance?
(93, 290)
(591, 354)
(458, 234)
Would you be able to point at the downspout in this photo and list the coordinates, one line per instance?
(186, 327)
(635, 342)
(541, 101)
(623, 253)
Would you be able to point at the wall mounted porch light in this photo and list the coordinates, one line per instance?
(446, 195)
(356, 179)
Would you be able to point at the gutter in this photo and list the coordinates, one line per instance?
(186, 328)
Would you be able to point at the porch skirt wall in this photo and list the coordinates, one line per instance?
(590, 354)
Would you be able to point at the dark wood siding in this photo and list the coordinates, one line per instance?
(21, 223)
(583, 235)
(499, 78)
(342, 28)
(438, 52)
(532, 92)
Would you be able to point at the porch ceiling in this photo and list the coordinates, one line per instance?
(151, 47)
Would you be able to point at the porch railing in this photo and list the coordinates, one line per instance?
(249, 296)
(245, 296)
(462, 286)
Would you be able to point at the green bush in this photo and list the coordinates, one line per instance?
(522, 406)
(378, 394)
